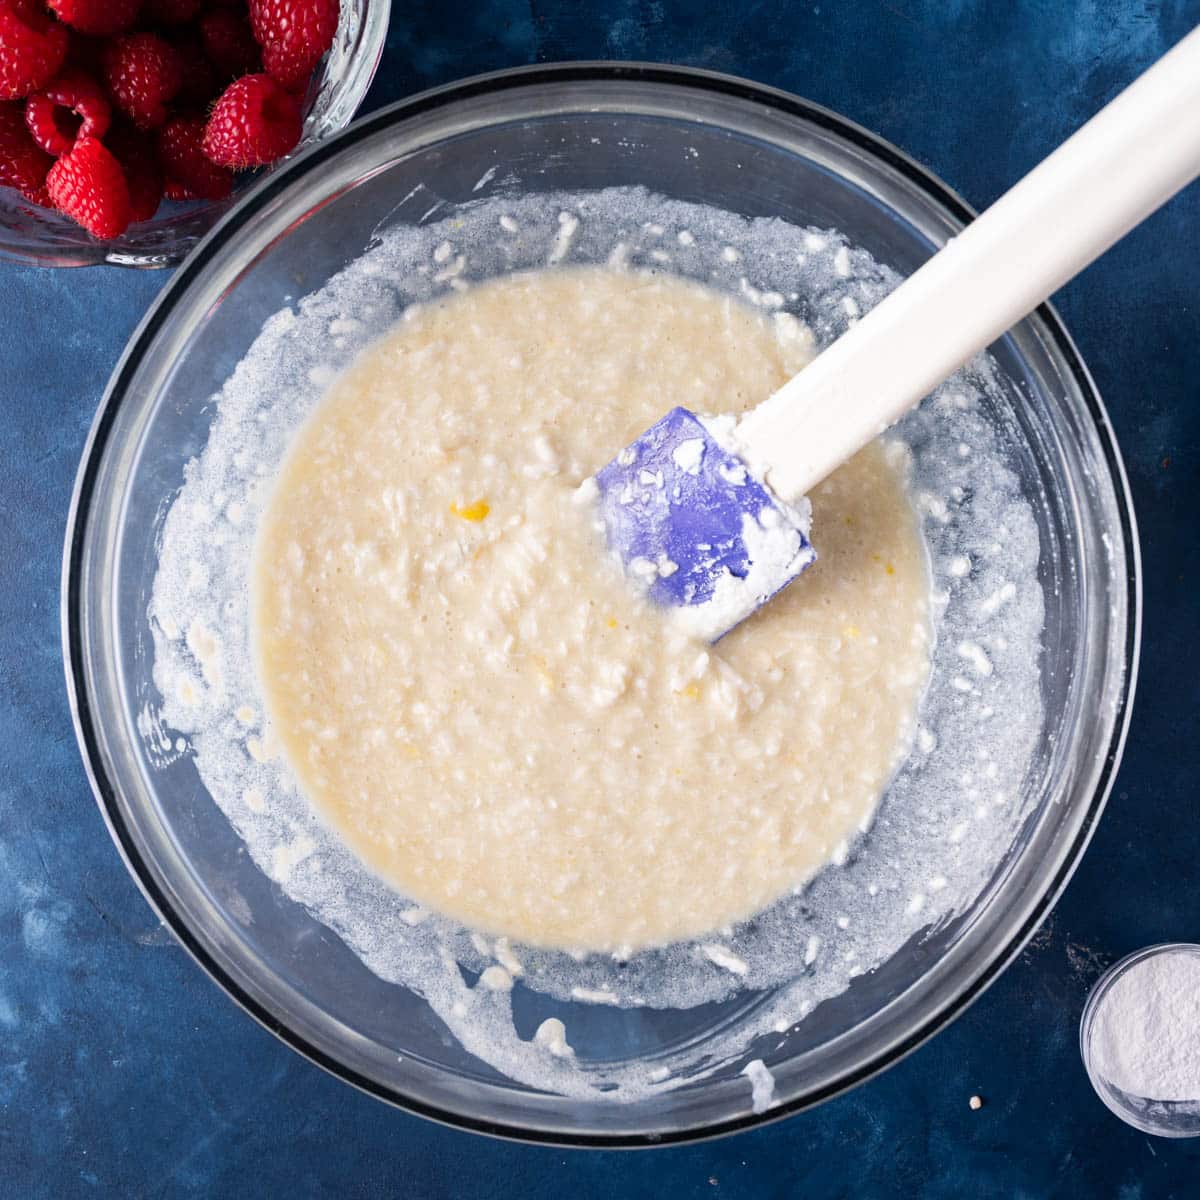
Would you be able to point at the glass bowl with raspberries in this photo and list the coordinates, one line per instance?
(127, 127)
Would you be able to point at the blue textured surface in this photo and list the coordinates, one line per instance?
(124, 1072)
(658, 508)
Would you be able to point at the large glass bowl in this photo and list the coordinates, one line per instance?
(45, 238)
(689, 135)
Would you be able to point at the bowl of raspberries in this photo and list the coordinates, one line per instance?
(128, 126)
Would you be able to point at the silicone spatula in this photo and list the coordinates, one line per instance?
(708, 515)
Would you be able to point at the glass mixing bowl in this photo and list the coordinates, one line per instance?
(45, 238)
(689, 135)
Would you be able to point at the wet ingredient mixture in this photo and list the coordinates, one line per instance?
(473, 696)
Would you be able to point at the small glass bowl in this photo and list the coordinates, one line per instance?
(42, 237)
(1163, 1118)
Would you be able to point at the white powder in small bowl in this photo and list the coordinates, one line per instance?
(1145, 1039)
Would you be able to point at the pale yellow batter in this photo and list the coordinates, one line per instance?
(474, 697)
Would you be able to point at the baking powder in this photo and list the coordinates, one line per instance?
(1146, 1036)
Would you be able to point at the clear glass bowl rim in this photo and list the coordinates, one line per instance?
(259, 196)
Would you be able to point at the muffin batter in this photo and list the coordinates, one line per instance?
(474, 697)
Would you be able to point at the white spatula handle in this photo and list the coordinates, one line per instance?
(1129, 159)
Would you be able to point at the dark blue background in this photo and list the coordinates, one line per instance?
(124, 1072)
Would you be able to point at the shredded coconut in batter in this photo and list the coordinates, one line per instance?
(477, 699)
(950, 814)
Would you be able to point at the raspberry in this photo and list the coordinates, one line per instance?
(99, 17)
(174, 190)
(294, 34)
(143, 175)
(143, 73)
(32, 48)
(255, 121)
(200, 83)
(68, 108)
(181, 152)
(169, 12)
(89, 186)
(229, 44)
(23, 163)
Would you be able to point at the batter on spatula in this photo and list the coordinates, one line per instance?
(483, 708)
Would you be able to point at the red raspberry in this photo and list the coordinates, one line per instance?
(143, 174)
(23, 163)
(143, 73)
(229, 44)
(32, 48)
(294, 35)
(99, 17)
(255, 121)
(89, 186)
(174, 190)
(169, 12)
(181, 152)
(200, 82)
(66, 109)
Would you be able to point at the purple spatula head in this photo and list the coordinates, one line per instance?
(696, 529)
